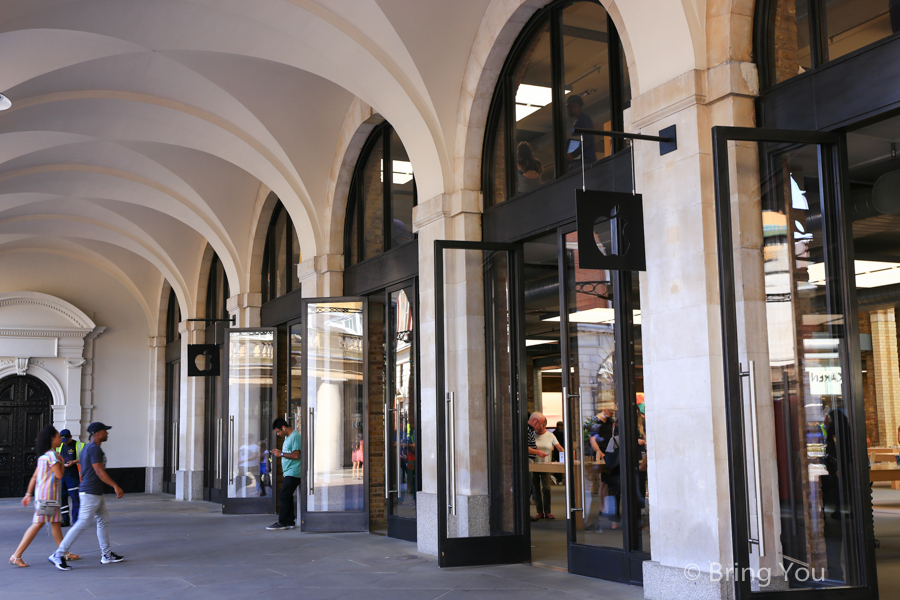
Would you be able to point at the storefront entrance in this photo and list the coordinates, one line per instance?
(25, 408)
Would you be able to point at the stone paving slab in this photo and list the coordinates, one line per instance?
(191, 551)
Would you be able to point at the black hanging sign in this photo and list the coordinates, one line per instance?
(610, 230)
(203, 360)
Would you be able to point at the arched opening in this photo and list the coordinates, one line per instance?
(25, 408)
(280, 256)
(215, 392)
(172, 406)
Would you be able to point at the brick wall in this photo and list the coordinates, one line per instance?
(377, 503)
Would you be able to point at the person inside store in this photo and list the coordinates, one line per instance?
(575, 153)
(545, 442)
(598, 440)
(560, 433)
(529, 168)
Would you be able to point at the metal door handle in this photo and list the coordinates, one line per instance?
(387, 486)
(310, 457)
(750, 373)
(583, 455)
(230, 448)
(450, 427)
(570, 471)
(397, 475)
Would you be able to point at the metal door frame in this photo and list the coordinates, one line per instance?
(334, 521)
(515, 548)
(834, 159)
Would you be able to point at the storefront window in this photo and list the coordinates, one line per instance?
(803, 34)
(281, 256)
(567, 72)
(382, 197)
(173, 318)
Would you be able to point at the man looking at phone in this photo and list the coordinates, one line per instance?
(291, 470)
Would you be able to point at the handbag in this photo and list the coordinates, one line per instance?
(611, 457)
(47, 508)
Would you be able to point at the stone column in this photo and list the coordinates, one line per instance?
(156, 424)
(688, 475)
(246, 308)
(192, 409)
(321, 276)
(886, 374)
(452, 217)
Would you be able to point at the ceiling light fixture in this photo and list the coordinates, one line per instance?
(5, 103)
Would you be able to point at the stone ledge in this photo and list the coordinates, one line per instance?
(662, 582)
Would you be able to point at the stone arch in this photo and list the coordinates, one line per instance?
(266, 201)
(47, 378)
(203, 281)
(361, 119)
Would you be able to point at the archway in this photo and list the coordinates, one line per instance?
(25, 408)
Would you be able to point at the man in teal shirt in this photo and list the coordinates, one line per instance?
(290, 467)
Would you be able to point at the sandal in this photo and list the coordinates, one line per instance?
(17, 561)
(70, 556)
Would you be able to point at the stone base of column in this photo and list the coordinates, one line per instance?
(189, 485)
(153, 480)
(473, 518)
(672, 583)
(427, 523)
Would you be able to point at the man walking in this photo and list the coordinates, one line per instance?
(70, 450)
(290, 467)
(93, 504)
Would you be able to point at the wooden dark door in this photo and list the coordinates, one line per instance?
(25, 408)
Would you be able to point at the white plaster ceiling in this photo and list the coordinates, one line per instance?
(142, 130)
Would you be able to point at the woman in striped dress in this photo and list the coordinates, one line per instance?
(44, 485)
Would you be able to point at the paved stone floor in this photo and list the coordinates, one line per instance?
(189, 550)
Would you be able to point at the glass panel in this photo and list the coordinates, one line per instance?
(586, 82)
(789, 40)
(626, 79)
(402, 193)
(544, 389)
(801, 433)
(354, 234)
(295, 411)
(480, 419)
(281, 254)
(498, 174)
(642, 494)
(250, 396)
(592, 356)
(532, 81)
(335, 395)
(853, 24)
(295, 259)
(403, 404)
(373, 198)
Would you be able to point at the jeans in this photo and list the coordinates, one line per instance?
(541, 482)
(91, 506)
(287, 514)
(70, 488)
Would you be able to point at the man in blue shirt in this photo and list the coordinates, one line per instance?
(290, 467)
(93, 504)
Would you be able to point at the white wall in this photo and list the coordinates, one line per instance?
(121, 355)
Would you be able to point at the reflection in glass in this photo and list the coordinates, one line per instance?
(250, 396)
(402, 193)
(335, 434)
(586, 82)
(281, 241)
(373, 199)
(480, 463)
(789, 40)
(804, 430)
(402, 405)
(853, 24)
(498, 183)
(295, 366)
(531, 86)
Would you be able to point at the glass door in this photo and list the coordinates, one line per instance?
(334, 413)
(800, 492)
(401, 412)
(482, 473)
(172, 420)
(250, 368)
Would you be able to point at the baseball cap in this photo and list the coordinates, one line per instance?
(97, 426)
(65, 434)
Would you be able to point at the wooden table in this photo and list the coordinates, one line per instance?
(551, 467)
(886, 472)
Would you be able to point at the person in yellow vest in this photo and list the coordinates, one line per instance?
(70, 450)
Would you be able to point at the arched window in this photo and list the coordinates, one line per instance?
(217, 291)
(566, 70)
(281, 256)
(799, 35)
(173, 318)
(382, 197)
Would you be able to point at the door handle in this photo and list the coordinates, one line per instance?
(583, 455)
(387, 486)
(450, 428)
(570, 471)
(310, 464)
(750, 373)
(230, 448)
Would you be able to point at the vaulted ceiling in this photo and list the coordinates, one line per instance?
(141, 130)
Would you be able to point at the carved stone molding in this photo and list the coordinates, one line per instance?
(74, 363)
(21, 366)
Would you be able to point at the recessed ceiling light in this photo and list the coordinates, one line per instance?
(4, 102)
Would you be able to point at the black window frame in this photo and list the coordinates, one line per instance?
(503, 101)
(356, 205)
(269, 274)
(173, 318)
(217, 308)
(763, 32)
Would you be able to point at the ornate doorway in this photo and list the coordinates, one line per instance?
(25, 408)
